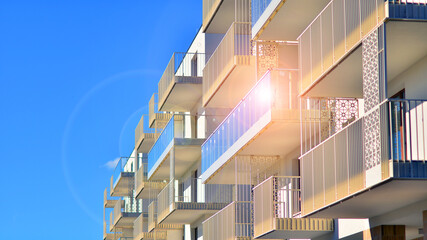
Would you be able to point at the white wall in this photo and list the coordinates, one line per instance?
(413, 80)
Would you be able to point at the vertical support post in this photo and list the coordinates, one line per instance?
(425, 224)
(172, 164)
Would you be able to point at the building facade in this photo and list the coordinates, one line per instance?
(285, 119)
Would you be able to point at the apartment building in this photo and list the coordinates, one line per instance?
(285, 119)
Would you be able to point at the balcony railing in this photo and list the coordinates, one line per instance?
(108, 203)
(408, 9)
(142, 184)
(143, 130)
(258, 8)
(177, 193)
(401, 140)
(232, 222)
(276, 199)
(125, 207)
(138, 227)
(334, 33)
(141, 177)
(182, 68)
(179, 126)
(323, 117)
(345, 173)
(152, 215)
(107, 235)
(408, 141)
(122, 181)
(154, 115)
(122, 169)
(276, 90)
(165, 138)
(234, 49)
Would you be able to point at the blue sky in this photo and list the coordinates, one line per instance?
(75, 77)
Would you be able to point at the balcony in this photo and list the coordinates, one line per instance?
(144, 136)
(256, 126)
(283, 20)
(218, 15)
(186, 201)
(277, 206)
(181, 84)
(336, 32)
(140, 227)
(375, 164)
(232, 222)
(122, 181)
(107, 235)
(145, 189)
(156, 119)
(230, 71)
(140, 230)
(177, 142)
(154, 226)
(124, 214)
(108, 203)
(157, 235)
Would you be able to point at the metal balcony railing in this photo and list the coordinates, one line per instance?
(277, 89)
(155, 115)
(192, 191)
(117, 212)
(182, 68)
(141, 177)
(179, 126)
(142, 129)
(408, 9)
(232, 222)
(234, 49)
(408, 136)
(166, 136)
(323, 117)
(152, 215)
(122, 167)
(335, 32)
(106, 232)
(124, 206)
(343, 154)
(348, 153)
(140, 227)
(275, 198)
(108, 202)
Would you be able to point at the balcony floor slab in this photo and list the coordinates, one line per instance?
(266, 137)
(239, 80)
(290, 19)
(182, 94)
(388, 195)
(123, 185)
(187, 152)
(189, 212)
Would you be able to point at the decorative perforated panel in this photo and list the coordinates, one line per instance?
(370, 71)
(373, 94)
(267, 56)
(372, 135)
